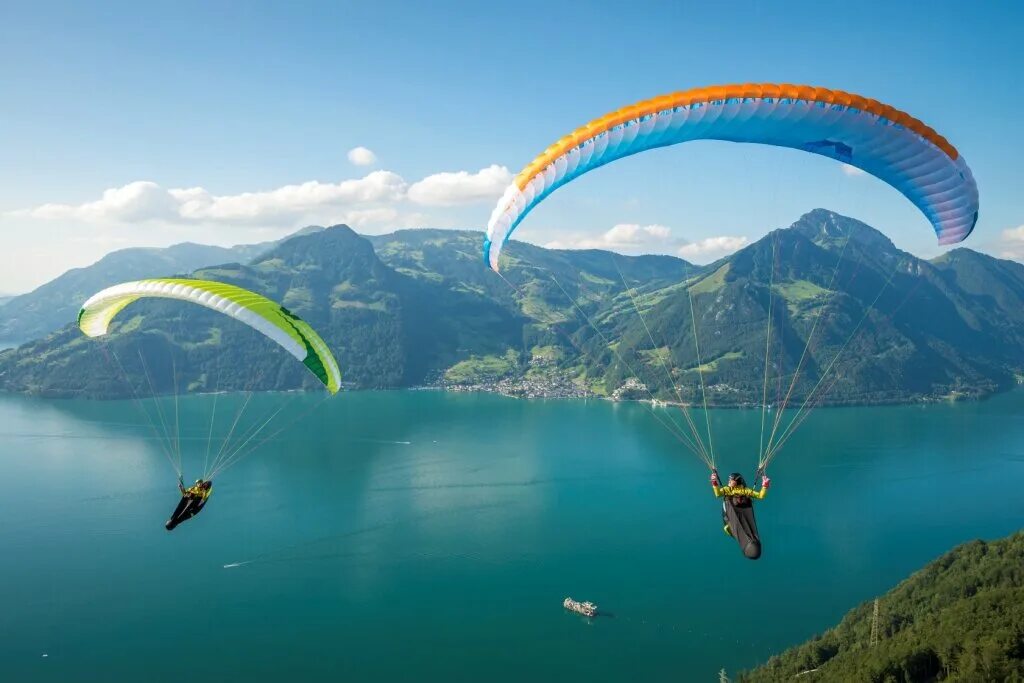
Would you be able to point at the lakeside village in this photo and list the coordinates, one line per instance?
(543, 380)
(530, 386)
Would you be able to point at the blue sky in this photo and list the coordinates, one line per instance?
(224, 100)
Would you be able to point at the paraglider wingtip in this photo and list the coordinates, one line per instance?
(491, 263)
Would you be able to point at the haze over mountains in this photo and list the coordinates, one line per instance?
(418, 307)
(49, 307)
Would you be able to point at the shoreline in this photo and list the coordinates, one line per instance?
(565, 388)
(565, 391)
(659, 403)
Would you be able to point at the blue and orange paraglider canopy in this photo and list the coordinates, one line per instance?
(881, 140)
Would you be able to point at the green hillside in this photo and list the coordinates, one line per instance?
(960, 619)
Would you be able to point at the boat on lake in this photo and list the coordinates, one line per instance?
(587, 609)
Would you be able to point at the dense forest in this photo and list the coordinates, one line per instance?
(837, 311)
(961, 619)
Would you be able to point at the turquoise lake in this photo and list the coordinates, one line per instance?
(400, 536)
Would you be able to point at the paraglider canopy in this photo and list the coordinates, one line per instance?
(266, 317)
(258, 312)
(877, 138)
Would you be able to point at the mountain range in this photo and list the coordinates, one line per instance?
(841, 314)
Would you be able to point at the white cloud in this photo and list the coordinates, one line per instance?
(625, 237)
(361, 156)
(1014, 234)
(1011, 243)
(378, 194)
(290, 201)
(461, 187)
(631, 234)
(711, 248)
(852, 171)
(139, 201)
(144, 201)
(632, 238)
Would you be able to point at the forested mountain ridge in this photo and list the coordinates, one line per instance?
(850, 314)
(960, 618)
(381, 325)
(852, 319)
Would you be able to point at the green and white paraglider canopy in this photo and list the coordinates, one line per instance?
(258, 312)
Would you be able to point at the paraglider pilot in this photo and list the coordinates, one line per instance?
(738, 510)
(193, 499)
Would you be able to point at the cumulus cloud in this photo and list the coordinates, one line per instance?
(1011, 243)
(461, 187)
(139, 201)
(624, 237)
(144, 201)
(290, 200)
(710, 248)
(361, 156)
(852, 171)
(632, 234)
(633, 238)
(378, 194)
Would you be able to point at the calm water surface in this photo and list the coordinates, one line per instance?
(428, 536)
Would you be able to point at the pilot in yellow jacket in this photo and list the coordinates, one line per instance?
(738, 491)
